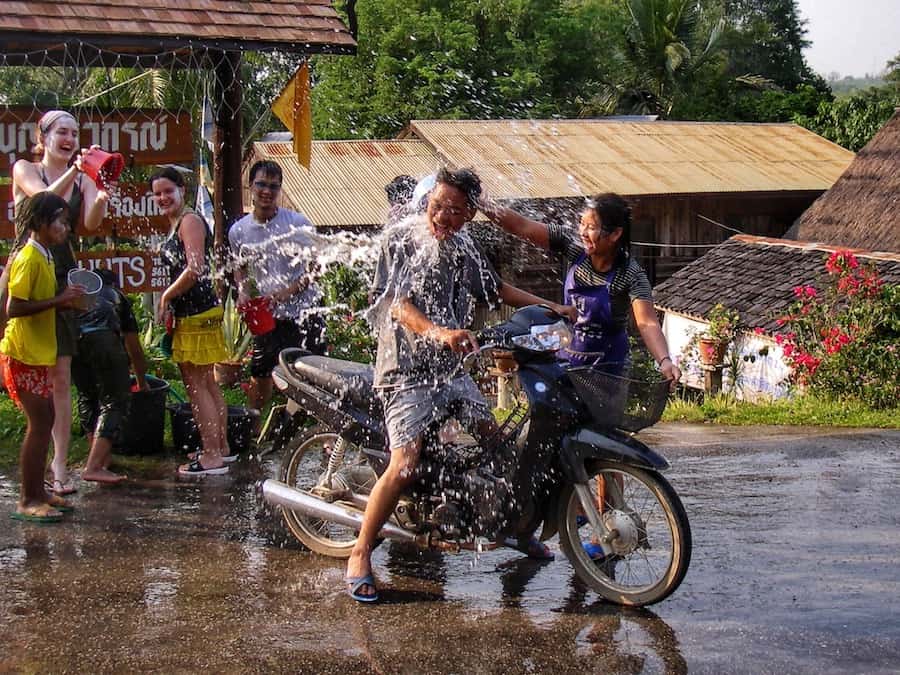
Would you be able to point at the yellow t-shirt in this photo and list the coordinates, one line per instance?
(32, 339)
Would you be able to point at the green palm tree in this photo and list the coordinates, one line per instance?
(666, 41)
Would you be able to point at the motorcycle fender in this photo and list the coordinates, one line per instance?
(614, 446)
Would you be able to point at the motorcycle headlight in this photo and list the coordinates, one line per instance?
(546, 338)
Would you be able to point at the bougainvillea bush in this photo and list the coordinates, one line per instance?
(843, 339)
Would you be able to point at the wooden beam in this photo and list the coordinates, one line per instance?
(228, 96)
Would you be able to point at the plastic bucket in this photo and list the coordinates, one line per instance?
(186, 436)
(143, 427)
(102, 167)
(92, 284)
(257, 314)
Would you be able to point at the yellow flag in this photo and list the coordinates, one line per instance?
(293, 108)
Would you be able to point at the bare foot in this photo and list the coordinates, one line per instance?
(102, 476)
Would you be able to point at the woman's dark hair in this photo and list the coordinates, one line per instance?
(465, 180)
(169, 173)
(39, 210)
(612, 210)
(400, 190)
(266, 167)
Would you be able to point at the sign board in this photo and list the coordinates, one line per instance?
(137, 271)
(142, 135)
(131, 213)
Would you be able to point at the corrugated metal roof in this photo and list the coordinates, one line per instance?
(312, 25)
(345, 186)
(563, 158)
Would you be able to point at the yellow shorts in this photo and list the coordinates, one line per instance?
(198, 339)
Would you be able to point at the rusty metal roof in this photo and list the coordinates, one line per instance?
(561, 158)
(345, 185)
(147, 25)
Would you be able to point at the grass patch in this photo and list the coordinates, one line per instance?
(801, 411)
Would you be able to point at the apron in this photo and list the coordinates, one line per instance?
(594, 339)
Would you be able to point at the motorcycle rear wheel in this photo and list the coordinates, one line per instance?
(305, 459)
(653, 549)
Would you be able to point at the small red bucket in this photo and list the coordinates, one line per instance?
(102, 167)
(257, 314)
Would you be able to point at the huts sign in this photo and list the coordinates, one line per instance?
(136, 271)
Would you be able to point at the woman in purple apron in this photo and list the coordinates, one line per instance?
(604, 283)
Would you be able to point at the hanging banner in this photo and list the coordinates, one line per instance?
(131, 213)
(143, 135)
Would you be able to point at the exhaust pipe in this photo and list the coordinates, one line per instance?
(276, 492)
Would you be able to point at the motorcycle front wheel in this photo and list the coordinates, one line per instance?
(305, 461)
(651, 535)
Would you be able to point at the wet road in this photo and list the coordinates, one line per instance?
(795, 568)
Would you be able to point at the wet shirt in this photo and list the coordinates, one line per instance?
(629, 283)
(112, 311)
(275, 255)
(32, 339)
(444, 280)
(201, 296)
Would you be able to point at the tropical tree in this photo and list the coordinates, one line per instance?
(421, 59)
(666, 44)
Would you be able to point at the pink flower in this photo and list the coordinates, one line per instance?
(758, 331)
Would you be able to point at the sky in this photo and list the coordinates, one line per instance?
(851, 37)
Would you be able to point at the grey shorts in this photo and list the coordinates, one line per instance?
(408, 411)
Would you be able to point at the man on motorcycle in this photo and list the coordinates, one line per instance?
(430, 276)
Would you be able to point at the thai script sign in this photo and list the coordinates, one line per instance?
(142, 135)
(131, 213)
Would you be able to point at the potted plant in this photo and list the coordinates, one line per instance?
(713, 343)
(237, 342)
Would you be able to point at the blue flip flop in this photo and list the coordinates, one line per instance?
(594, 551)
(355, 583)
(533, 548)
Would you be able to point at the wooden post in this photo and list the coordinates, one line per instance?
(227, 200)
(712, 379)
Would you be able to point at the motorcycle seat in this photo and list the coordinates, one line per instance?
(344, 379)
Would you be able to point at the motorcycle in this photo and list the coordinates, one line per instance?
(563, 459)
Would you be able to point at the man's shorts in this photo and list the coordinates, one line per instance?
(20, 377)
(66, 333)
(308, 334)
(409, 411)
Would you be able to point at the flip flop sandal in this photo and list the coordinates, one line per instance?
(355, 583)
(228, 459)
(195, 468)
(533, 548)
(57, 487)
(34, 515)
(60, 504)
(594, 551)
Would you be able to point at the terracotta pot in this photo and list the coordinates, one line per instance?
(712, 352)
(228, 374)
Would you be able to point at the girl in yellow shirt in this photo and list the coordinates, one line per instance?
(29, 346)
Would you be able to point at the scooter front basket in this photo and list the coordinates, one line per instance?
(617, 401)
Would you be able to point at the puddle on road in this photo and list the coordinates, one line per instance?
(201, 564)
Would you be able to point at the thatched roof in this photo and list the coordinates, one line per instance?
(862, 209)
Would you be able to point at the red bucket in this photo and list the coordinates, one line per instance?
(257, 314)
(102, 167)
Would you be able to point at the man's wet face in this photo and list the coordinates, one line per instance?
(447, 211)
